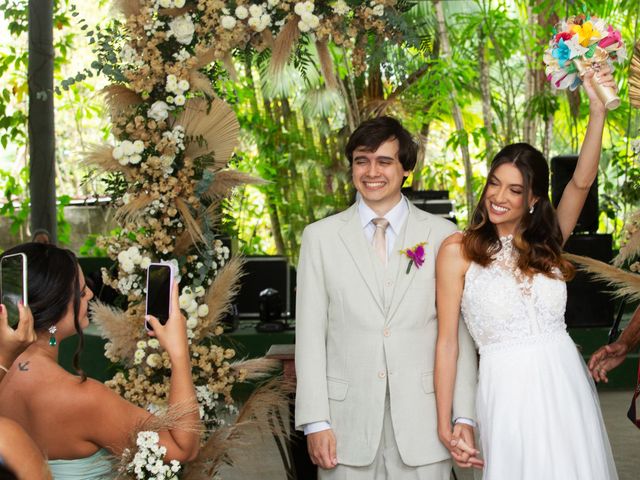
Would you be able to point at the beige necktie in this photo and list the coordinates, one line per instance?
(380, 239)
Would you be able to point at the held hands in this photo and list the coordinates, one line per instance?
(322, 448)
(14, 342)
(607, 358)
(461, 445)
(173, 335)
(603, 75)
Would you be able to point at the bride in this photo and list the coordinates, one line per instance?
(538, 412)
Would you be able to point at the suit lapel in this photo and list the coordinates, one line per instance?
(417, 231)
(354, 240)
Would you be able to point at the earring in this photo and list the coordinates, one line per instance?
(52, 339)
(531, 209)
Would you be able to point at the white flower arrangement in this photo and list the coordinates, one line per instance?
(127, 152)
(241, 12)
(148, 461)
(308, 21)
(228, 22)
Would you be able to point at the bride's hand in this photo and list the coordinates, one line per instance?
(462, 447)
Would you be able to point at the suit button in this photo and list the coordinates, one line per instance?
(386, 332)
(388, 283)
(381, 375)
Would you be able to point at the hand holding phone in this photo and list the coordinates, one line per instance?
(13, 286)
(14, 342)
(159, 286)
(172, 335)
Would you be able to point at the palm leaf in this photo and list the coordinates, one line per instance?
(625, 283)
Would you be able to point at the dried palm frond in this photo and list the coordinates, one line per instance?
(257, 368)
(175, 417)
(226, 180)
(262, 411)
(101, 156)
(282, 46)
(220, 296)
(174, 12)
(119, 97)
(132, 210)
(128, 7)
(227, 61)
(634, 77)
(211, 128)
(326, 64)
(198, 82)
(631, 247)
(115, 325)
(190, 223)
(625, 283)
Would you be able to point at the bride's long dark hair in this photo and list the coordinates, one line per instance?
(538, 238)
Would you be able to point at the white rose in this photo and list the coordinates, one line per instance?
(117, 152)
(179, 3)
(299, 8)
(179, 100)
(165, 3)
(273, 3)
(138, 146)
(313, 21)
(128, 266)
(141, 344)
(228, 22)
(303, 27)
(203, 310)
(154, 360)
(123, 256)
(183, 29)
(127, 148)
(183, 85)
(192, 323)
(169, 99)
(255, 10)
(265, 21)
(134, 254)
(154, 343)
(192, 307)
(199, 291)
(139, 355)
(378, 10)
(172, 80)
(242, 12)
(159, 111)
(341, 7)
(184, 301)
(146, 261)
(254, 22)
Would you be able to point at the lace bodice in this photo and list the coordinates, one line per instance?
(500, 304)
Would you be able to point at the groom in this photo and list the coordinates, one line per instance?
(366, 325)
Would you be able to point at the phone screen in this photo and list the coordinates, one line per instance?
(13, 275)
(159, 292)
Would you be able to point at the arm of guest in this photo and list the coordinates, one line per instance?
(14, 342)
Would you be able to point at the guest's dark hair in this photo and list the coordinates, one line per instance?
(374, 132)
(52, 283)
(538, 239)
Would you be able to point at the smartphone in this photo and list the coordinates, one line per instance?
(159, 285)
(13, 285)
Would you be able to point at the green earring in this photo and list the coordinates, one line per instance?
(52, 339)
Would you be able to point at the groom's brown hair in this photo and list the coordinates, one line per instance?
(372, 133)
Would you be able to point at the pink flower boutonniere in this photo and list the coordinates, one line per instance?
(415, 255)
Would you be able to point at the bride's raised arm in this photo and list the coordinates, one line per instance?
(577, 189)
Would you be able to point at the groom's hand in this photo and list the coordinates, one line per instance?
(462, 447)
(322, 448)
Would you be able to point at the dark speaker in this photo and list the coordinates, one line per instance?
(562, 168)
(588, 302)
(436, 202)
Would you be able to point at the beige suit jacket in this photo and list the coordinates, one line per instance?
(360, 327)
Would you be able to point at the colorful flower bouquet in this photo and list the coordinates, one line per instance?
(581, 43)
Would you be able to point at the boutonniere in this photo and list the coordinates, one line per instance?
(415, 255)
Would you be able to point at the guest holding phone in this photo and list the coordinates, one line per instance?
(77, 422)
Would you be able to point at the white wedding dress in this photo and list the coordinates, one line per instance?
(538, 411)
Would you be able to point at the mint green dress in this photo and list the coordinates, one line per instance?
(99, 466)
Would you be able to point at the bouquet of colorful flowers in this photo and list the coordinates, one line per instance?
(581, 43)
